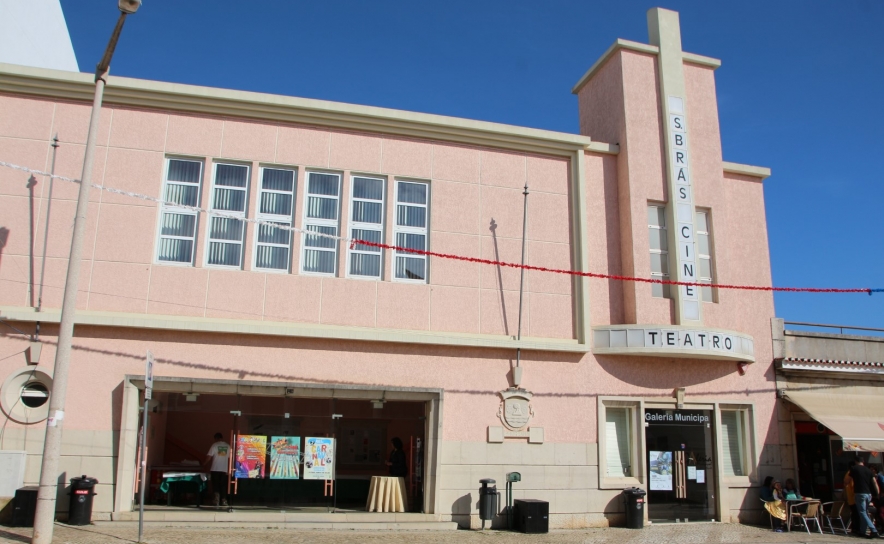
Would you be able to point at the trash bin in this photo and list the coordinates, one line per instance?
(82, 491)
(24, 506)
(635, 507)
(487, 500)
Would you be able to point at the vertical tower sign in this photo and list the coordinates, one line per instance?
(665, 33)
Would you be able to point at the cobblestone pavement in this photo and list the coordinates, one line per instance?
(659, 534)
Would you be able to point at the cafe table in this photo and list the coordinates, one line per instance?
(387, 494)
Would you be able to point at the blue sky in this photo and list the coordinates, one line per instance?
(800, 90)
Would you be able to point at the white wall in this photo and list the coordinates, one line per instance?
(34, 33)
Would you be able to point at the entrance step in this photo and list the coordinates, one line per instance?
(362, 521)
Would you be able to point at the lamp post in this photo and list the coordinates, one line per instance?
(44, 517)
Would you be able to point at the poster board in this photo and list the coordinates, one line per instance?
(251, 453)
(661, 470)
(285, 457)
(319, 458)
(362, 443)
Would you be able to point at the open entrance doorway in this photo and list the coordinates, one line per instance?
(681, 473)
(272, 440)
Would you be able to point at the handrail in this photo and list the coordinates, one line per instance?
(840, 327)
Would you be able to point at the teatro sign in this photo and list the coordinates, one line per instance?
(673, 341)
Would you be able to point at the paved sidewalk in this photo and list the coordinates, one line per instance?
(658, 534)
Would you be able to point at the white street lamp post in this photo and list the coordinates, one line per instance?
(44, 517)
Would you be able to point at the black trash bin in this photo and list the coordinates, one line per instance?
(82, 491)
(487, 500)
(635, 507)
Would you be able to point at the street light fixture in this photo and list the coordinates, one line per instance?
(44, 518)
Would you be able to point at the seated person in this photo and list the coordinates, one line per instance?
(790, 491)
(766, 491)
(776, 507)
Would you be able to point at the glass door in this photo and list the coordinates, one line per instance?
(681, 475)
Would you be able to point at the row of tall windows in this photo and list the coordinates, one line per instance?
(659, 244)
(225, 240)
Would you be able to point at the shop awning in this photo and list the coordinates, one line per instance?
(858, 419)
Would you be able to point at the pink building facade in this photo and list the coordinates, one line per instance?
(620, 383)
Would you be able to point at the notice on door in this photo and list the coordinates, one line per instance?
(692, 473)
(661, 470)
(701, 476)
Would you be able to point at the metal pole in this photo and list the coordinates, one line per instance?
(44, 517)
(46, 229)
(517, 372)
(141, 469)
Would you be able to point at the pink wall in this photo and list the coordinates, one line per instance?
(470, 187)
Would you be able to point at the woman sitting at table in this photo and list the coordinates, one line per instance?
(790, 491)
(776, 506)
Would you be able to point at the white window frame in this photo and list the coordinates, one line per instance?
(287, 219)
(636, 407)
(749, 451)
(164, 208)
(308, 221)
(411, 230)
(352, 224)
(701, 256)
(664, 253)
(242, 214)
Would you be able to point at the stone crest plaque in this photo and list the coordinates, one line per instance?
(515, 409)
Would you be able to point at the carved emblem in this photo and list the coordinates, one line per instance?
(515, 409)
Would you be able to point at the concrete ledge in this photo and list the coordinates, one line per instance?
(745, 169)
(299, 330)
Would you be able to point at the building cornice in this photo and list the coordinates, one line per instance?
(629, 45)
(285, 109)
(290, 329)
(745, 170)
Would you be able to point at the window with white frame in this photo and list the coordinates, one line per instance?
(322, 205)
(659, 250)
(704, 253)
(366, 223)
(177, 229)
(411, 230)
(733, 442)
(276, 195)
(618, 441)
(230, 189)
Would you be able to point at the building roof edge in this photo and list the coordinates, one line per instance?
(232, 103)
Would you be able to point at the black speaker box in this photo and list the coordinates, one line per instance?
(24, 506)
(531, 516)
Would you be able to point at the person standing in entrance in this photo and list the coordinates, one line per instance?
(864, 488)
(219, 458)
(397, 464)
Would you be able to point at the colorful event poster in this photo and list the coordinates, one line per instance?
(251, 451)
(285, 457)
(319, 458)
(661, 470)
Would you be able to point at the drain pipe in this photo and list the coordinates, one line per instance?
(517, 371)
(46, 232)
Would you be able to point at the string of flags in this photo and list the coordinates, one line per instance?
(353, 242)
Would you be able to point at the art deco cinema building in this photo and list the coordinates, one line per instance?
(265, 331)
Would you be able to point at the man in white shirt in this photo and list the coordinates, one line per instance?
(218, 461)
